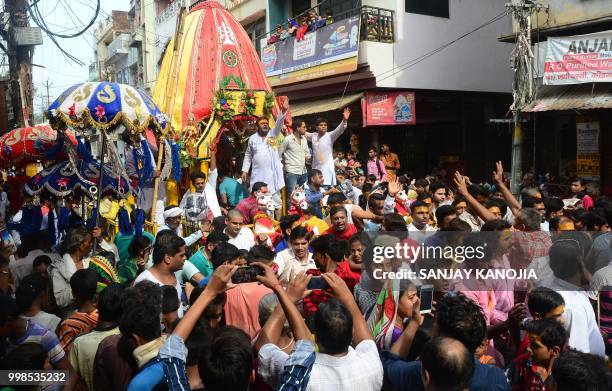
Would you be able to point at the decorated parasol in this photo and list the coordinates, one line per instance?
(22, 146)
(106, 106)
(64, 178)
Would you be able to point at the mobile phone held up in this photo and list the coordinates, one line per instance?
(247, 274)
(426, 296)
(317, 283)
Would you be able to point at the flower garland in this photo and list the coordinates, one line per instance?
(250, 104)
(269, 103)
(222, 104)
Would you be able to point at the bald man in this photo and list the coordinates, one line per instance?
(239, 235)
(447, 365)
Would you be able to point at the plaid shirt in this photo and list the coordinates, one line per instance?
(527, 246)
(298, 367)
(523, 376)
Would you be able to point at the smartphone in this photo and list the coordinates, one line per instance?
(426, 296)
(247, 274)
(317, 283)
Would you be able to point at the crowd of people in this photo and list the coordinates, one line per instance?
(299, 26)
(235, 291)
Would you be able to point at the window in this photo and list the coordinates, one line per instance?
(299, 6)
(437, 8)
(256, 31)
(339, 8)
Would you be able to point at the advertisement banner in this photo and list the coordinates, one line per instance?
(587, 150)
(579, 59)
(388, 108)
(328, 44)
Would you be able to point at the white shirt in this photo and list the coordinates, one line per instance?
(543, 271)
(360, 370)
(356, 194)
(322, 153)
(579, 318)
(289, 265)
(601, 278)
(148, 276)
(419, 234)
(244, 240)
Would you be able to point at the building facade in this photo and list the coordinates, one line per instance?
(563, 111)
(456, 80)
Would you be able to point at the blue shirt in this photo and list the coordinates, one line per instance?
(235, 191)
(314, 199)
(408, 375)
(150, 377)
(282, 245)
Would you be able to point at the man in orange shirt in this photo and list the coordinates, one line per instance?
(390, 160)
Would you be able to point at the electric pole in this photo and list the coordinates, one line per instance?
(523, 85)
(20, 52)
(48, 96)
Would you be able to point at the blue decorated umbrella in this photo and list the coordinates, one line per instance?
(106, 106)
(64, 178)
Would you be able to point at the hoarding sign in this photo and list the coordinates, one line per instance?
(389, 108)
(587, 150)
(315, 55)
(579, 59)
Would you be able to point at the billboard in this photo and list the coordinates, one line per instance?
(327, 51)
(587, 150)
(388, 108)
(579, 59)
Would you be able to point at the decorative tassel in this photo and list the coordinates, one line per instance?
(176, 162)
(139, 223)
(92, 222)
(125, 227)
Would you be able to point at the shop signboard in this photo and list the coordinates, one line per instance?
(388, 108)
(579, 59)
(587, 150)
(327, 51)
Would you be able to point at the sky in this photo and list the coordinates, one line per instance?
(63, 16)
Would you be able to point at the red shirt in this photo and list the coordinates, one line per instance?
(248, 208)
(316, 297)
(345, 235)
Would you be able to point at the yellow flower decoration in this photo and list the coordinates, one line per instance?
(272, 142)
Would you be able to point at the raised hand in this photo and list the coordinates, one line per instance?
(220, 279)
(269, 278)
(394, 187)
(297, 286)
(285, 105)
(460, 183)
(338, 286)
(498, 174)
(346, 114)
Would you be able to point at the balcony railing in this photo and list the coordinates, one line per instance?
(118, 48)
(377, 24)
(170, 12)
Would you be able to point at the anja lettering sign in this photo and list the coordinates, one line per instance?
(579, 59)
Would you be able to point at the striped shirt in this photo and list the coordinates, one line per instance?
(77, 324)
(45, 338)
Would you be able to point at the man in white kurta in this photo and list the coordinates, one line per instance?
(323, 148)
(261, 156)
